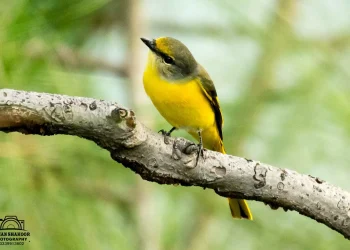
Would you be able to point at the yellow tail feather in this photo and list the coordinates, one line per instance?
(239, 208)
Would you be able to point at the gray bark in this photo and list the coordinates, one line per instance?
(172, 160)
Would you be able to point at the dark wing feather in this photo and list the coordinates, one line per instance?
(210, 92)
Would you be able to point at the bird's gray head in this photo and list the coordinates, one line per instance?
(171, 57)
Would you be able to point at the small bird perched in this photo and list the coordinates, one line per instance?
(185, 96)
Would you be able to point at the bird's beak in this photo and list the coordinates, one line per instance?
(150, 44)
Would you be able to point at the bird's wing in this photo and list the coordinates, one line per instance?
(209, 90)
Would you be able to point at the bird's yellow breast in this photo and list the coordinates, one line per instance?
(182, 104)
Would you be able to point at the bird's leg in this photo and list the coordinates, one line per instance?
(163, 132)
(200, 147)
(191, 147)
(166, 134)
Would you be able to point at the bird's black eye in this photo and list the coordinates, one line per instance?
(168, 60)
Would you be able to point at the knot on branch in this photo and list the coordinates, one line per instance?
(260, 176)
(59, 112)
(133, 132)
(121, 114)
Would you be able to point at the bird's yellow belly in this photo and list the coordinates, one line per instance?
(183, 105)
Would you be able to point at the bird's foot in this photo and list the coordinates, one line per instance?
(166, 134)
(200, 153)
(198, 148)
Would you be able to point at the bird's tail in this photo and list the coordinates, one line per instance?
(239, 208)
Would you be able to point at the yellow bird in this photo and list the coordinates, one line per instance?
(185, 96)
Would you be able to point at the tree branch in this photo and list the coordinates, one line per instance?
(171, 161)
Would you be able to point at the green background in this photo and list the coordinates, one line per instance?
(281, 69)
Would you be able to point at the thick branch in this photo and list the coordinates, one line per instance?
(171, 161)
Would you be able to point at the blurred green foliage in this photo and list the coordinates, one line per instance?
(282, 73)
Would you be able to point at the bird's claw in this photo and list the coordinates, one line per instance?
(200, 153)
(195, 147)
(163, 132)
(166, 134)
